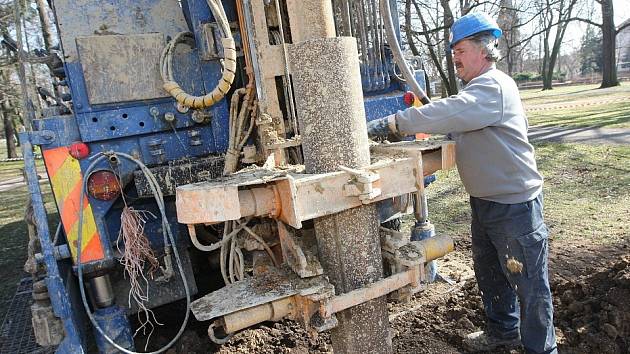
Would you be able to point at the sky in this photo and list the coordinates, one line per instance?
(622, 10)
(575, 31)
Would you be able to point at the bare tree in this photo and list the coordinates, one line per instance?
(7, 114)
(427, 29)
(510, 42)
(555, 18)
(609, 39)
(430, 37)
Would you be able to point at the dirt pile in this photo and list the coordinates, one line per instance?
(593, 311)
(439, 320)
(280, 337)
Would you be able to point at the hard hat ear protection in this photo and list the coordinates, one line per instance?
(472, 24)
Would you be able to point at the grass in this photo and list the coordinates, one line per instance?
(611, 115)
(587, 194)
(579, 106)
(13, 234)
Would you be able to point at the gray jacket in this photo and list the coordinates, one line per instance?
(488, 123)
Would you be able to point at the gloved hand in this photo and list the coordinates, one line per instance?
(384, 128)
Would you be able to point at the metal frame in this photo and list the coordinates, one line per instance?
(294, 198)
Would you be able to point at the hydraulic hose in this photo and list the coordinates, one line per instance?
(186, 99)
(398, 55)
(229, 64)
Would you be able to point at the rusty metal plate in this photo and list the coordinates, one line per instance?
(254, 291)
(217, 200)
(122, 68)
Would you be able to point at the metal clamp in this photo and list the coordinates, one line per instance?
(362, 184)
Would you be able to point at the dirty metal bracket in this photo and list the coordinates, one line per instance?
(294, 197)
(43, 137)
(251, 293)
(281, 293)
(299, 252)
(362, 184)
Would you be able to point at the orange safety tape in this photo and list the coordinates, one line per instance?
(66, 180)
(54, 158)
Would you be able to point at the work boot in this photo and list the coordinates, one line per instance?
(480, 341)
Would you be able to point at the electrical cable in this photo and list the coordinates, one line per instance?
(214, 246)
(167, 232)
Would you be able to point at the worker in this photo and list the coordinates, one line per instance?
(497, 167)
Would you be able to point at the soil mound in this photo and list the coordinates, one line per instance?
(593, 311)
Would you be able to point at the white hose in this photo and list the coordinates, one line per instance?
(157, 194)
(398, 55)
(229, 64)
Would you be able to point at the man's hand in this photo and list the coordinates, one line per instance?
(384, 129)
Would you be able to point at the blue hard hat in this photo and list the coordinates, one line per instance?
(471, 24)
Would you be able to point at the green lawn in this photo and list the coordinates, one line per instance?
(579, 106)
(586, 192)
(13, 234)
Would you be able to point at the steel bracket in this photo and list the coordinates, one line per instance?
(43, 137)
(299, 252)
(361, 184)
(298, 197)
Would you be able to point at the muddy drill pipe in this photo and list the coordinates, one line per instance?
(329, 102)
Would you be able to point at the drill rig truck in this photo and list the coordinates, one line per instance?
(211, 157)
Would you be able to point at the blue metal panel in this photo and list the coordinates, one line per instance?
(176, 145)
(381, 106)
(56, 288)
(115, 324)
(212, 70)
(65, 128)
(378, 106)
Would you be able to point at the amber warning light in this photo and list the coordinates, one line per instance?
(103, 185)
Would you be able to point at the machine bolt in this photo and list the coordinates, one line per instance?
(182, 108)
(169, 117)
(201, 117)
(154, 112)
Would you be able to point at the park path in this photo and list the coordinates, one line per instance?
(564, 105)
(583, 135)
(17, 182)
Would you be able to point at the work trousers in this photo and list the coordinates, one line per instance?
(510, 251)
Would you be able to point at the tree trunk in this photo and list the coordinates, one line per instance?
(555, 51)
(431, 48)
(7, 113)
(427, 83)
(551, 55)
(45, 22)
(412, 45)
(9, 131)
(545, 63)
(448, 22)
(409, 30)
(609, 34)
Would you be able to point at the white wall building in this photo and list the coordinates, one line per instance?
(623, 50)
